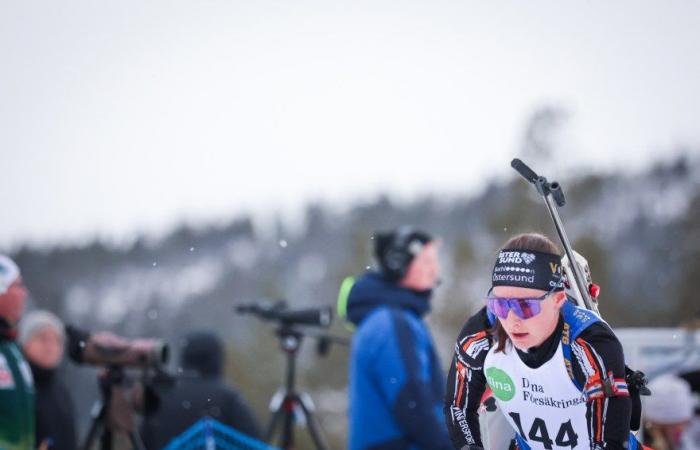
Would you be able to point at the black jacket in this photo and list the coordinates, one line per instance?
(55, 413)
(199, 393)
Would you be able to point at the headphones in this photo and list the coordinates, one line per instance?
(398, 254)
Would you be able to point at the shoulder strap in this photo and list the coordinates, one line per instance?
(521, 444)
(576, 320)
(342, 303)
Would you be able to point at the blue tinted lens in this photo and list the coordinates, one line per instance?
(522, 307)
(498, 307)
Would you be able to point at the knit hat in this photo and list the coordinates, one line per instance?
(9, 272)
(670, 402)
(203, 351)
(36, 321)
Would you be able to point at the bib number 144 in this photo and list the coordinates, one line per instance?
(565, 437)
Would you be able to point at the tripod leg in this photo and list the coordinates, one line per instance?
(314, 428)
(98, 417)
(288, 426)
(106, 440)
(136, 441)
(91, 436)
(272, 425)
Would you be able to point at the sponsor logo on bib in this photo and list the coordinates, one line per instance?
(501, 384)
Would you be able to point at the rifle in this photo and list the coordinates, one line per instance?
(575, 266)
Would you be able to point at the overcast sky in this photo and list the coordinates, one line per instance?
(128, 116)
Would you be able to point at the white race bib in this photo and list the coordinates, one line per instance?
(542, 404)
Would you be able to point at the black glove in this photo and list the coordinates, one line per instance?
(637, 385)
(490, 404)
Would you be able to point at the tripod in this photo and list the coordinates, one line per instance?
(114, 413)
(287, 400)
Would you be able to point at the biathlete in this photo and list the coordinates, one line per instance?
(556, 370)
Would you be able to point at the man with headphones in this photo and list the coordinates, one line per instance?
(396, 383)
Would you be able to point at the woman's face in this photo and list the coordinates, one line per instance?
(44, 348)
(672, 433)
(527, 333)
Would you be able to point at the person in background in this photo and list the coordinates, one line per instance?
(693, 379)
(198, 393)
(42, 338)
(16, 385)
(396, 383)
(668, 413)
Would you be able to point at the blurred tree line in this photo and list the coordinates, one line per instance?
(640, 233)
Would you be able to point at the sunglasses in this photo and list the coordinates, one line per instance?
(523, 307)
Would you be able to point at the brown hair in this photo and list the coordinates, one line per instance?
(534, 242)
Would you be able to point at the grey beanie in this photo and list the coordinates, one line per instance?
(671, 400)
(36, 321)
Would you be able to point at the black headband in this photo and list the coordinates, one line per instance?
(528, 269)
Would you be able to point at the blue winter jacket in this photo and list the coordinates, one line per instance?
(396, 384)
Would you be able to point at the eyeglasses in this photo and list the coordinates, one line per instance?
(524, 307)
